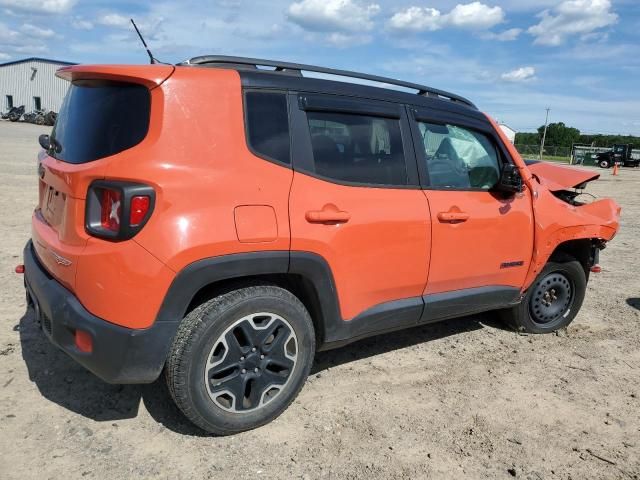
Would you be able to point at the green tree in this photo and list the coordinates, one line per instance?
(559, 135)
(526, 138)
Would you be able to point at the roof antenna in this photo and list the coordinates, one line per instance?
(151, 59)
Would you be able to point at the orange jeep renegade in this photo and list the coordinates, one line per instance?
(223, 219)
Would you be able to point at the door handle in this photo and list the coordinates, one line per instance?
(453, 216)
(329, 214)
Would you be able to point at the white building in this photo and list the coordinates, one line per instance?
(509, 132)
(32, 82)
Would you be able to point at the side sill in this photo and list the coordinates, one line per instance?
(410, 312)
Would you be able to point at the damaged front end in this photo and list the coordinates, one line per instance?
(567, 219)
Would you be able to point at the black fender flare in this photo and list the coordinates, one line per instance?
(313, 268)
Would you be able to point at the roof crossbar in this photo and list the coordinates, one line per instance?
(423, 90)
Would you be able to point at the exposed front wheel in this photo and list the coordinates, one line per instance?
(604, 163)
(552, 301)
(239, 360)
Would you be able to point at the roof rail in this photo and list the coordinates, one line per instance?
(222, 60)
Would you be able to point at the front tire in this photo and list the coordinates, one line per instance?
(552, 301)
(239, 360)
(604, 163)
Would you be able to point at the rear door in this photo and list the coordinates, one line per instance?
(356, 200)
(482, 240)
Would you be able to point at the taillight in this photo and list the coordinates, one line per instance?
(110, 209)
(118, 210)
(139, 208)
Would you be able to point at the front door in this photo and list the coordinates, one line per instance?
(482, 240)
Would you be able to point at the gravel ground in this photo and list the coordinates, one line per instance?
(461, 398)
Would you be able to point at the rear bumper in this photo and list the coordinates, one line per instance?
(119, 355)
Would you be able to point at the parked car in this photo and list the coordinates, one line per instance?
(221, 223)
(14, 114)
(35, 116)
(50, 118)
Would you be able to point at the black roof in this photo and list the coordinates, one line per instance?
(289, 75)
(37, 59)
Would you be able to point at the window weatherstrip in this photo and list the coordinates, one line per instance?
(327, 103)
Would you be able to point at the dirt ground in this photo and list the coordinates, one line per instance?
(464, 398)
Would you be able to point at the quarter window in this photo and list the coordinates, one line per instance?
(357, 148)
(268, 125)
(458, 157)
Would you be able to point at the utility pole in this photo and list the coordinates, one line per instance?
(544, 135)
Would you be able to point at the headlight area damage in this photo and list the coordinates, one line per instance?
(562, 221)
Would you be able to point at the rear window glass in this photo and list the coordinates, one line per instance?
(99, 119)
(268, 125)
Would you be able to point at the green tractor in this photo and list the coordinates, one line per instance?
(620, 154)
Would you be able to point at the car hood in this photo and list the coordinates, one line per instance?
(560, 177)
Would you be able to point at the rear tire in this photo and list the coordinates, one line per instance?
(239, 360)
(552, 301)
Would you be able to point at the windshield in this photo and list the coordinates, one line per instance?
(100, 118)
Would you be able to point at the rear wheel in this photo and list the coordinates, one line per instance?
(552, 301)
(239, 360)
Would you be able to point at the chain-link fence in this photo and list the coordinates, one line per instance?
(551, 153)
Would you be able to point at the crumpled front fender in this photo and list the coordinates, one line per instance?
(557, 222)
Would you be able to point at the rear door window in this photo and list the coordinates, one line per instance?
(357, 148)
(99, 119)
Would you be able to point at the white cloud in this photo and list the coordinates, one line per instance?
(7, 35)
(32, 30)
(47, 6)
(472, 16)
(4, 56)
(114, 20)
(417, 19)
(29, 49)
(344, 40)
(475, 15)
(522, 74)
(149, 26)
(506, 36)
(572, 17)
(333, 15)
(81, 24)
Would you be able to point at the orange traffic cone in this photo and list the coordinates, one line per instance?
(615, 169)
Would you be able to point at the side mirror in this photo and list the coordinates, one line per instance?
(510, 179)
(44, 141)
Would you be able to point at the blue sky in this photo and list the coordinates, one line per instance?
(513, 58)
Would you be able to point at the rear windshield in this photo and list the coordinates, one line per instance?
(100, 118)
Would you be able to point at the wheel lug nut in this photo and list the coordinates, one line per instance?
(261, 357)
(255, 369)
(253, 349)
(242, 359)
(244, 370)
